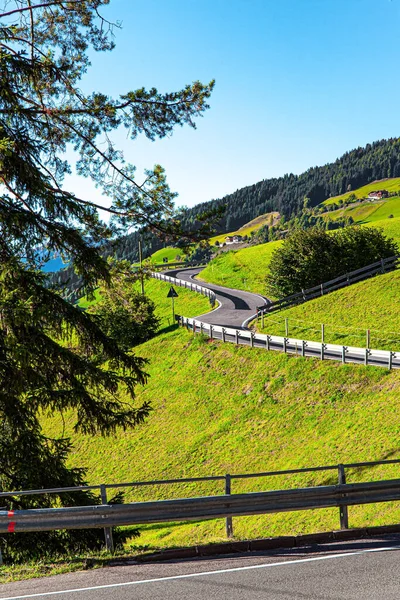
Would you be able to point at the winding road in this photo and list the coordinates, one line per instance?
(236, 307)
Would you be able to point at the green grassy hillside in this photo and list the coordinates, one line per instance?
(243, 269)
(170, 253)
(347, 314)
(368, 212)
(391, 185)
(223, 409)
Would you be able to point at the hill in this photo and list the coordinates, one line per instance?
(221, 409)
(390, 185)
(243, 269)
(286, 194)
(347, 314)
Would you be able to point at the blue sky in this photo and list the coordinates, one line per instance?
(298, 83)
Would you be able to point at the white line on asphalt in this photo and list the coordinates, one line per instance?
(202, 574)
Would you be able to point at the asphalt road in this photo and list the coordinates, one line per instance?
(364, 570)
(235, 306)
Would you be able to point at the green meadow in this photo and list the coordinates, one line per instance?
(347, 314)
(242, 269)
(218, 409)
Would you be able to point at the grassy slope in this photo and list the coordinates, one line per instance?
(219, 409)
(243, 269)
(347, 314)
(246, 229)
(170, 253)
(246, 269)
(368, 212)
(391, 185)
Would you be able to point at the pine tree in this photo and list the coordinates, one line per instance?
(53, 355)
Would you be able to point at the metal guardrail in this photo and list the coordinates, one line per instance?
(385, 265)
(194, 287)
(344, 354)
(225, 506)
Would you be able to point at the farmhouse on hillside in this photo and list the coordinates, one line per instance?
(233, 239)
(378, 194)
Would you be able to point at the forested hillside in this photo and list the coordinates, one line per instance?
(284, 194)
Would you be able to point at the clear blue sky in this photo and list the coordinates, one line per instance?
(298, 83)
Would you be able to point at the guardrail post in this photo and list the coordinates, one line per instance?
(107, 530)
(201, 328)
(391, 357)
(237, 336)
(323, 348)
(267, 343)
(285, 341)
(303, 347)
(223, 334)
(367, 353)
(211, 332)
(343, 512)
(228, 521)
(252, 336)
(344, 350)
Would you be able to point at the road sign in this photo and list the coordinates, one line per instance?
(172, 293)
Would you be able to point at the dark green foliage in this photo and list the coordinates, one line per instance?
(123, 313)
(53, 356)
(202, 253)
(310, 257)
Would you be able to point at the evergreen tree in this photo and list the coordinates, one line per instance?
(53, 355)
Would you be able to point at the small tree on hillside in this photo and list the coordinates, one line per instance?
(123, 312)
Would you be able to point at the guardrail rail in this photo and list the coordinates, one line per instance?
(246, 337)
(226, 505)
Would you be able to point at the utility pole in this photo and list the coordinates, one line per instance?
(141, 270)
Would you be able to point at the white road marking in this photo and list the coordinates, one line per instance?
(202, 574)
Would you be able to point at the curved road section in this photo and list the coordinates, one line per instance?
(236, 308)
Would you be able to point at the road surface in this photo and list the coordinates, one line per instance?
(363, 570)
(236, 307)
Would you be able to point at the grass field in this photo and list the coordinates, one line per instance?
(225, 409)
(391, 185)
(347, 314)
(170, 253)
(368, 212)
(242, 269)
(248, 228)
